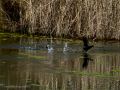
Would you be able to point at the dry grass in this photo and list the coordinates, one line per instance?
(68, 18)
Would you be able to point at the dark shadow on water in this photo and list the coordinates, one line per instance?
(86, 58)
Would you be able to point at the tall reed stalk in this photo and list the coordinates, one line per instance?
(68, 17)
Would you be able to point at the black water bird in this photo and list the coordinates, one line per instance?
(86, 45)
(87, 58)
(46, 46)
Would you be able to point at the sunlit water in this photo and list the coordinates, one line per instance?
(25, 64)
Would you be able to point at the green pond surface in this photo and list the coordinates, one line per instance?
(25, 64)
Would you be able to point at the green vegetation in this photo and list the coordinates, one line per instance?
(115, 70)
(29, 56)
(69, 75)
(61, 18)
(2, 62)
(81, 57)
(38, 57)
(102, 63)
(103, 54)
(23, 54)
(84, 73)
(1, 84)
(19, 57)
(37, 85)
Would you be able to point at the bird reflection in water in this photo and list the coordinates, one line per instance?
(86, 58)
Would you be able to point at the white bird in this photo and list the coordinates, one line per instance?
(50, 48)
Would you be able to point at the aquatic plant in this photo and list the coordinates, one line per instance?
(38, 57)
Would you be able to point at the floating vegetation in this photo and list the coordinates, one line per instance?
(98, 58)
(81, 57)
(33, 84)
(23, 54)
(41, 85)
(110, 41)
(112, 66)
(93, 74)
(28, 79)
(57, 72)
(69, 75)
(115, 70)
(1, 84)
(102, 83)
(93, 65)
(37, 85)
(12, 65)
(4, 39)
(2, 62)
(102, 63)
(19, 57)
(74, 71)
(36, 37)
(102, 75)
(67, 39)
(113, 54)
(85, 73)
(103, 54)
(77, 41)
(67, 71)
(38, 57)
(43, 36)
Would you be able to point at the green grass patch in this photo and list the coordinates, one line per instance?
(33, 84)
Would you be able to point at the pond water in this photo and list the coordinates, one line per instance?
(25, 64)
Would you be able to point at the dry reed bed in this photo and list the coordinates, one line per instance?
(99, 19)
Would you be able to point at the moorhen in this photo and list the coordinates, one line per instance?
(86, 45)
